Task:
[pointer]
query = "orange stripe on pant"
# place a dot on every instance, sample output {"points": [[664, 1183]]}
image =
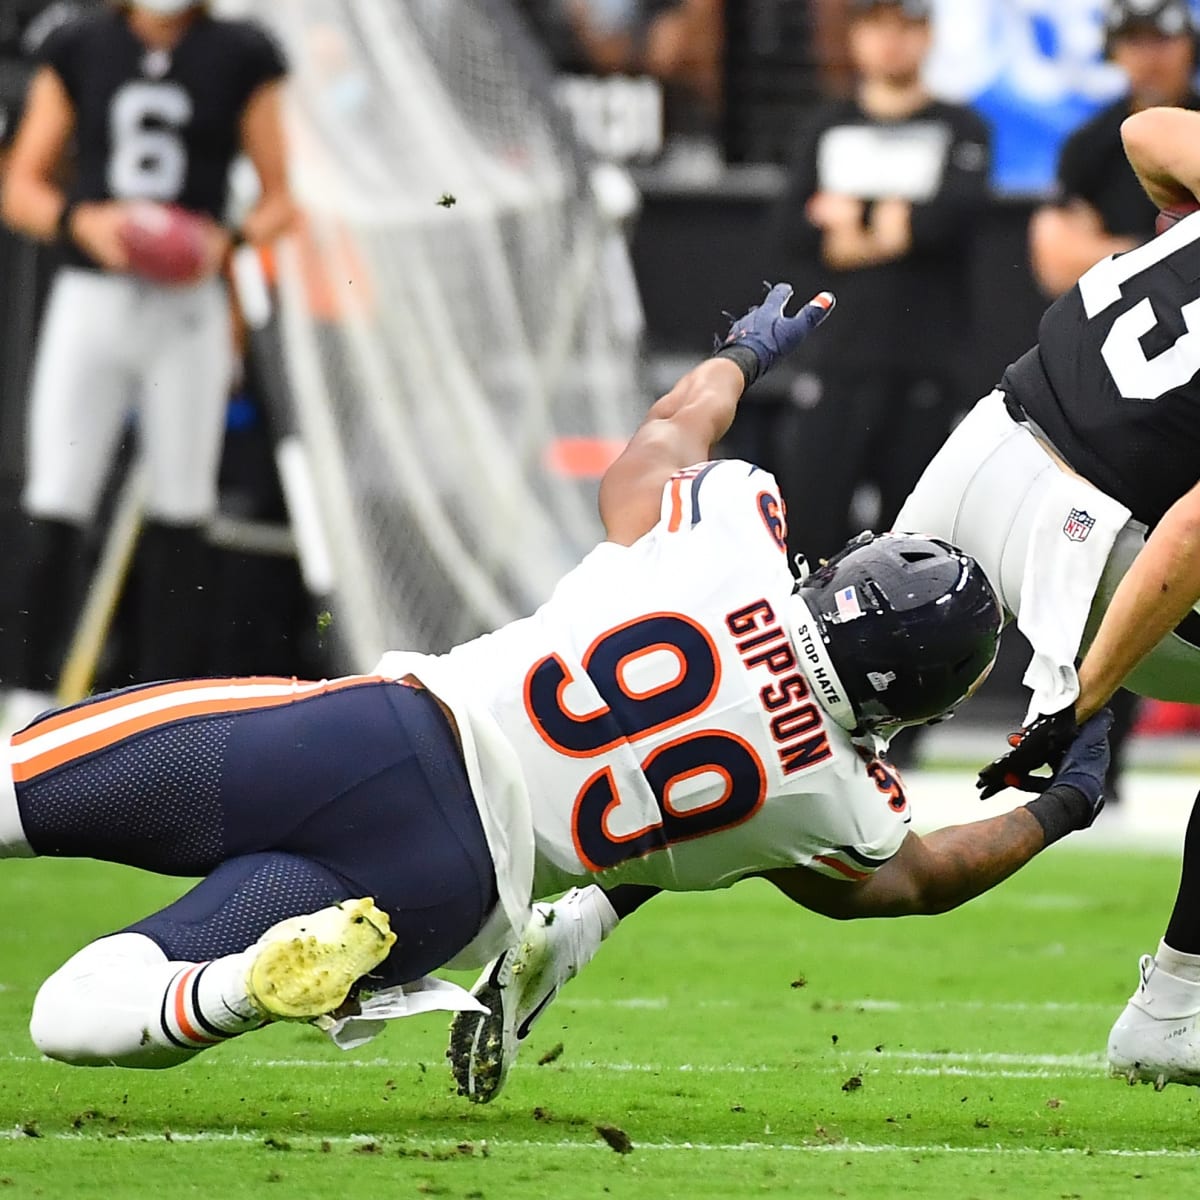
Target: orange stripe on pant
{"points": [[120, 723]]}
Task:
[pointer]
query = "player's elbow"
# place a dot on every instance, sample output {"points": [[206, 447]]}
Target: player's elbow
{"points": [[10, 207], [1143, 134], [18, 206], [1160, 144]]}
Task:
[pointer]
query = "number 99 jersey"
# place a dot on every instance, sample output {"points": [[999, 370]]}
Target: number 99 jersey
{"points": [[1113, 382], [665, 728]]}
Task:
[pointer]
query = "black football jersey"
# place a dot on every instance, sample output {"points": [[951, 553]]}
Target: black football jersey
{"points": [[157, 125], [1114, 381]]}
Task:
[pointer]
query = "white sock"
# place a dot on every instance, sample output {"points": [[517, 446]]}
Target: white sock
{"points": [[1175, 962], [584, 917], [120, 1001]]}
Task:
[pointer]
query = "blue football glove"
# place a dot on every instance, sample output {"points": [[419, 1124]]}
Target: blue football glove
{"points": [[758, 340], [1075, 795], [1042, 743], [1085, 765]]}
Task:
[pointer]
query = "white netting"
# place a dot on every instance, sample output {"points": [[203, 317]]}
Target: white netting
{"points": [[438, 354]]}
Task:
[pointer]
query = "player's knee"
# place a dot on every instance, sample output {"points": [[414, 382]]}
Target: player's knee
{"points": [[98, 1008], [55, 1025]]}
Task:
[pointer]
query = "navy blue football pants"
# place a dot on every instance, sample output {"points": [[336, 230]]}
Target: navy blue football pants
{"points": [[285, 796]]}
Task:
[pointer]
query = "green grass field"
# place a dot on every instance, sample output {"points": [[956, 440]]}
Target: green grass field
{"points": [[743, 1047]]}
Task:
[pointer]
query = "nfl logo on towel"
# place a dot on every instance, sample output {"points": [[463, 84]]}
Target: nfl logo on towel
{"points": [[1078, 525]]}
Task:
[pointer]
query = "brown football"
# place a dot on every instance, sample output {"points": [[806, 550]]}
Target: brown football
{"points": [[1174, 214], [165, 243]]}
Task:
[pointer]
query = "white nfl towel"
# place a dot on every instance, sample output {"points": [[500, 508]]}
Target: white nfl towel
{"points": [[429, 994], [1070, 540]]}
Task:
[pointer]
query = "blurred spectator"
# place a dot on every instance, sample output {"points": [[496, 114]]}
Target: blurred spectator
{"points": [[144, 102], [678, 43], [1101, 208], [884, 194], [830, 23]]}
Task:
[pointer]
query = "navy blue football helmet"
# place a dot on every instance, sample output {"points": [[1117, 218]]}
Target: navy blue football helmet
{"points": [[896, 629]]}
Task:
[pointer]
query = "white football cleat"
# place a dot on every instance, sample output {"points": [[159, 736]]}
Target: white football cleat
{"points": [[517, 987], [304, 967], [1157, 1039]]}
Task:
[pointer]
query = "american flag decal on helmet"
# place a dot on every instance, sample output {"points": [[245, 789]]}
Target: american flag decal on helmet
{"points": [[1078, 525]]}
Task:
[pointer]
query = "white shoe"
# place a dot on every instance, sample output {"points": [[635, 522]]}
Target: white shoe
{"points": [[304, 967], [517, 987], [1157, 1039]]}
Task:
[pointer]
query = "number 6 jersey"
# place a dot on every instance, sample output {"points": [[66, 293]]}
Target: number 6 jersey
{"points": [[662, 723], [158, 125]]}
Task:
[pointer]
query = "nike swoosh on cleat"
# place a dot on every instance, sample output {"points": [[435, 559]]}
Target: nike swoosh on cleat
{"points": [[527, 1024]]}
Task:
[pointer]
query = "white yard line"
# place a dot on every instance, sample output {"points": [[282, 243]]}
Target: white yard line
{"points": [[938, 1063], [492, 1144], [833, 1004]]}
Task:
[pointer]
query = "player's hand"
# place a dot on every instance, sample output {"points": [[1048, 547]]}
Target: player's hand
{"points": [[96, 230], [771, 335], [218, 247], [831, 210], [1041, 743], [1085, 764], [891, 227]]}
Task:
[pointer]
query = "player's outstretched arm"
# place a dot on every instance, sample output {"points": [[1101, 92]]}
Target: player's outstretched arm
{"points": [[1163, 147], [936, 873], [682, 427]]}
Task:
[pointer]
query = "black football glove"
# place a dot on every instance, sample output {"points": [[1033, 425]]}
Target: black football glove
{"points": [[1042, 743], [764, 335]]}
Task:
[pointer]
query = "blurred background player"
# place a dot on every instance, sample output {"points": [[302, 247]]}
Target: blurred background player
{"points": [[134, 103], [1101, 208]]}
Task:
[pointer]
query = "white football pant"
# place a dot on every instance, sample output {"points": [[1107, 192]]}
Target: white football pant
{"points": [[983, 491], [112, 345]]}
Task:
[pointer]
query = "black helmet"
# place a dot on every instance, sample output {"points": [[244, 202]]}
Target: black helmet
{"points": [[895, 629], [1168, 18]]}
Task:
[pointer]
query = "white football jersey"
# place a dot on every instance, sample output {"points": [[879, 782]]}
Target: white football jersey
{"points": [[665, 730]]}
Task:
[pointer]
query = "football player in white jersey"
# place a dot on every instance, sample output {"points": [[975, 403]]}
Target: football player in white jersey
{"points": [[1075, 487], [681, 714], [804, 678]]}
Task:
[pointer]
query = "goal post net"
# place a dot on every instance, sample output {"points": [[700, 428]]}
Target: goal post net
{"points": [[458, 324]]}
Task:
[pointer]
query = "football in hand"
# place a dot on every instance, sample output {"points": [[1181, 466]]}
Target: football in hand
{"points": [[166, 244], [1171, 216]]}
